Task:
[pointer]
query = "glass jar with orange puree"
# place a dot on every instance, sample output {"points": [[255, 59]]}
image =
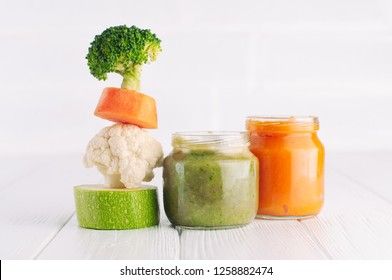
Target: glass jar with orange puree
{"points": [[291, 165]]}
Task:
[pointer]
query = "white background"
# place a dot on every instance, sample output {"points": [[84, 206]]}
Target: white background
{"points": [[221, 61]]}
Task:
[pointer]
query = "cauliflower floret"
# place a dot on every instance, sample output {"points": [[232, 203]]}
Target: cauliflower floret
{"points": [[125, 154]]}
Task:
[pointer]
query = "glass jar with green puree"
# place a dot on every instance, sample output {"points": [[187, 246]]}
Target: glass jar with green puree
{"points": [[210, 180]]}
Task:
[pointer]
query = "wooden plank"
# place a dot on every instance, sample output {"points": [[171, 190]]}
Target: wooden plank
{"points": [[13, 168], [354, 224], [259, 240], [36, 211], [34, 208], [73, 242], [370, 169]]}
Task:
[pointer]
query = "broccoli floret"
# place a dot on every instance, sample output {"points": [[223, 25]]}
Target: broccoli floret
{"points": [[123, 50]]}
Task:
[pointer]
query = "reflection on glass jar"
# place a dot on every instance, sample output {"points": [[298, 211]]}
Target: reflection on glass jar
{"points": [[291, 159], [210, 180]]}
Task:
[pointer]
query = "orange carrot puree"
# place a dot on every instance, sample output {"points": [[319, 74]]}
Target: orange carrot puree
{"points": [[291, 164]]}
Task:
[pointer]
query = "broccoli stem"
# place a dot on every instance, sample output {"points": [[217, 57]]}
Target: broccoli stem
{"points": [[131, 77]]}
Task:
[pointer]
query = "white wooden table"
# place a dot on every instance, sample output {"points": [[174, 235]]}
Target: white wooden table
{"points": [[37, 219]]}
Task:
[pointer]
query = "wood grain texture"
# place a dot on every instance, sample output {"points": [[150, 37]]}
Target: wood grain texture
{"points": [[37, 218], [258, 240], [354, 224], [372, 170], [14, 168], [36, 206], [73, 242]]}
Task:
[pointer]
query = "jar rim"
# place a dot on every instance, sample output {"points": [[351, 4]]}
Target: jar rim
{"points": [[209, 133], [282, 124], [285, 118], [210, 139]]}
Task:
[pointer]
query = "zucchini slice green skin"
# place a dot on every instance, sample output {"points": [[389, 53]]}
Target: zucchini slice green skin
{"points": [[100, 207]]}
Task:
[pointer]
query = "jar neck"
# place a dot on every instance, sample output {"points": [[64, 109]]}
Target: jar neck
{"points": [[282, 124], [210, 140]]}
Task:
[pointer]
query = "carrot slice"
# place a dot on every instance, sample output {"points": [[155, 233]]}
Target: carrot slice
{"points": [[127, 106]]}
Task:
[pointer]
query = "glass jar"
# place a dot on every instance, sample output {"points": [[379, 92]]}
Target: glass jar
{"points": [[291, 159], [210, 180]]}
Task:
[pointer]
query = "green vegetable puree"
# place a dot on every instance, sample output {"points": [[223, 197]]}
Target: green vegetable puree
{"points": [[204, 188]]}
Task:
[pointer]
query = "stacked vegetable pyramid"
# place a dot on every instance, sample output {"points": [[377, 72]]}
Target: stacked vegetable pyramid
{"points": [[124, 152]]}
